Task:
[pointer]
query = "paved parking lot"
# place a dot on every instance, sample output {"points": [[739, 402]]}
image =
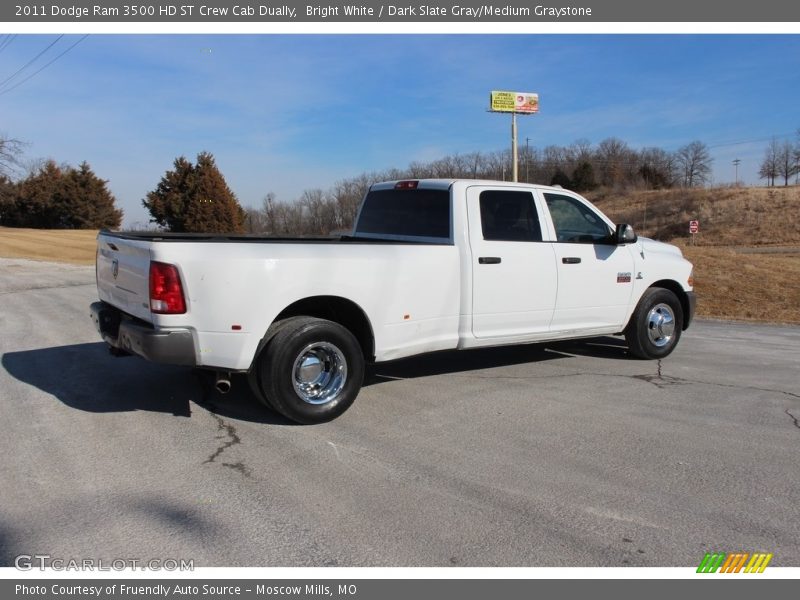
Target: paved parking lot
{"points": [[569, 454]]}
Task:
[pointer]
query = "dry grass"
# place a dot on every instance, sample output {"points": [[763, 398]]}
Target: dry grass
{"points": [[60, 245], [731, 282], [728, 216], [734, 284]]}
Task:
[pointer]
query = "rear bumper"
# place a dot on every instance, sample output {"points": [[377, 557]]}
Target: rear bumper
{"points": [[168, 346], [691, 299]]}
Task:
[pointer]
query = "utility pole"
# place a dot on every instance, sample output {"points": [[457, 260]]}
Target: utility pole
{"points": [[736, 166], [514, 153], [527, 159]]}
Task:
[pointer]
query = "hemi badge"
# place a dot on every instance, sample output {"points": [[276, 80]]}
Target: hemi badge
{"points": [[623, 277]]}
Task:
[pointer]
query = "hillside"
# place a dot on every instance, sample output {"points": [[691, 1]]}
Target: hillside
{"points": [[747, 254], [728, 216]]}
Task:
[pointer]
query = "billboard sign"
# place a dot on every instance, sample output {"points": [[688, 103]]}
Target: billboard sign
{"points": [[524, 103]]}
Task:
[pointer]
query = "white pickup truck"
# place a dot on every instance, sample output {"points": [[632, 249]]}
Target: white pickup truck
{"points": [[430, 265]]}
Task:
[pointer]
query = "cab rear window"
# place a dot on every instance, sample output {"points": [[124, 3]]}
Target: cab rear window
{"points": [[410, 213]]}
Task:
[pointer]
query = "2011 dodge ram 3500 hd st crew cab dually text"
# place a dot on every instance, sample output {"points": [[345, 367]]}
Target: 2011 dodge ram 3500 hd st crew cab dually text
{"points": [[430, 265]]}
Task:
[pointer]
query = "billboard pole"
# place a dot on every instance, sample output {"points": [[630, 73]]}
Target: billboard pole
{"points": [[523, 103], [514, 156]]}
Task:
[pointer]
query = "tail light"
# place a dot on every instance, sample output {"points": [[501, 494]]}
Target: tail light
{"points": [[166, 291], [406, 185]]}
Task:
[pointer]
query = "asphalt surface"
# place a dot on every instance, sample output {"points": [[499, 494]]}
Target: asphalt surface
{"points": [[567, 454]]}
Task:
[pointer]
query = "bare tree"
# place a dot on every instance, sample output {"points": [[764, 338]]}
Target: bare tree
{"points": [[694, 162], [797, 158], [616, 162], [657, 168], [319, 212], [769, 166], [348, 194], [10, 153], [786, 163]]}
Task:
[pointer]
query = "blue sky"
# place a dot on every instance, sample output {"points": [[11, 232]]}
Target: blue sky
{"points": [[285, 113]]}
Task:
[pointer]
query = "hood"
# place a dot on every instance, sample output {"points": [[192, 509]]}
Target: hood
{"points": [[649, 245]]}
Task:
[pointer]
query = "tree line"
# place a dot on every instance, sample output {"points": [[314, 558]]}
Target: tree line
{"points": [[581, 166], [194, 196], [781, 161], [56, 196]]}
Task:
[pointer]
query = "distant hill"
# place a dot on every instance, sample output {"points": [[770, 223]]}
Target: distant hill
{"points": [[728, 216]]}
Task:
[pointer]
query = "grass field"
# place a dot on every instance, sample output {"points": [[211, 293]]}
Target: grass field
{"points": [[74, 246], [746, 258]]}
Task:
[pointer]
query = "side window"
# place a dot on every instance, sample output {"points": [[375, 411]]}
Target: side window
{"points": [[574, 221], [509, 216]]}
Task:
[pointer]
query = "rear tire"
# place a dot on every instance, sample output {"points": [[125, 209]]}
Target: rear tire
{"points": [[253, 378], [310, 371], [656, 324]]}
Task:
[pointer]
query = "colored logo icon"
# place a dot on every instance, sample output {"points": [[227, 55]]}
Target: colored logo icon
{"points": [[735, 562]]}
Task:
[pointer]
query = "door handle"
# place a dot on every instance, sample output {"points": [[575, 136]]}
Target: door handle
{"points": [[489, 260], [570, 260]]}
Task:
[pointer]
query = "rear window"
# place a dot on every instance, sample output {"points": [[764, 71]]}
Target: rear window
{"points": [[417, 213]]}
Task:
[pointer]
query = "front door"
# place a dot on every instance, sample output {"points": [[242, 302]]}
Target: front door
{"points": [[595, 276]]}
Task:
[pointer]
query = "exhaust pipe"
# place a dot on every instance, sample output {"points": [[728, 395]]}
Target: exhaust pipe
{"points": [[222, 383]]}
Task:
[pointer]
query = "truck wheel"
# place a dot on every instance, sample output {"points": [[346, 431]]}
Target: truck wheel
{"points": [[656, 324], [253, 378], [311, 371], [255, 387]]}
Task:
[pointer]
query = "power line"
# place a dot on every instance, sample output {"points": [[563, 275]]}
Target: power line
{"points": [[750, 141], [30, 62], [7, 42], [19, 83]]}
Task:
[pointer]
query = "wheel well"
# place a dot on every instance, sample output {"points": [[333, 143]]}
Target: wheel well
{"points": [[675, 288], [339, 310]]}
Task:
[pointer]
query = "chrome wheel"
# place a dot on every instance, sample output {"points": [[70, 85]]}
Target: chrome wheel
{"points": [[660, 325], [319, 373]]}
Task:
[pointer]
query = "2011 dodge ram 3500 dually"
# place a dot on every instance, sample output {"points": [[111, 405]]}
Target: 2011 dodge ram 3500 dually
{"points": [[430, 265]]}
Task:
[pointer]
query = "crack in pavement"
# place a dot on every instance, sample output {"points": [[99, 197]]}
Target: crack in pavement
{"points": [[240, 467], [659, 380], [232, 436], [793, 418], [233, 439]]}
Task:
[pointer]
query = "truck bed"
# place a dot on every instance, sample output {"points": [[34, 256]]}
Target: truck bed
{"points": [[150, 236]]}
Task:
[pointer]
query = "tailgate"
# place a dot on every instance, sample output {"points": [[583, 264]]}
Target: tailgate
{"points": [[123, 274]]}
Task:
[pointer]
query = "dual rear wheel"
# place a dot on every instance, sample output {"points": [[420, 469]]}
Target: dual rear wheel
{"points": [[310, 371]]}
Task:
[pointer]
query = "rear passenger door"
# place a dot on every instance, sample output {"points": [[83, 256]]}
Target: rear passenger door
{"points": [[595, 276], [514, 277]]}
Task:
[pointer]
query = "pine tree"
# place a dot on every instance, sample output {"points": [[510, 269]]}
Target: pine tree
{"points": [[89, 203], [561, 178], [61, 197], [38, 198], [583, 177], [6, 198], [195, 198]]}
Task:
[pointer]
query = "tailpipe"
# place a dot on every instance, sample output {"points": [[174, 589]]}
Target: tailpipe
{"points": [[222, 383]]}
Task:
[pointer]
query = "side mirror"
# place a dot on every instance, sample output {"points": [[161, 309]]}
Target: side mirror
{"points": [[624, 234]]}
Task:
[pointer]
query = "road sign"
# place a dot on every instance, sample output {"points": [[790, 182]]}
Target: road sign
{"points": [[694, 226]]}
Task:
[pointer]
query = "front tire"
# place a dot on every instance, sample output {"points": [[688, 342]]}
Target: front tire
{"points": [[656, 324], [311, 370]]}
